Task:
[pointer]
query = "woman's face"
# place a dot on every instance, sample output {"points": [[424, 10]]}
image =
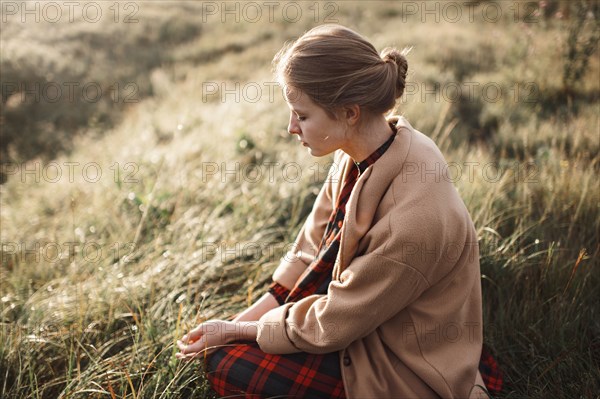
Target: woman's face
{"points": [[312, 125]]}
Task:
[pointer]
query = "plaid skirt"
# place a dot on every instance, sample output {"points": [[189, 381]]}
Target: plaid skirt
{"points": [[245, 371]]}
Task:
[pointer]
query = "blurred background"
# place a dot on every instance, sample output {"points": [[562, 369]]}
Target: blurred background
{"points": [[148, 181]]}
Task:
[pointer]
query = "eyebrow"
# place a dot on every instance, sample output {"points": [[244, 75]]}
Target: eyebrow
{"points": [[300, 111]]}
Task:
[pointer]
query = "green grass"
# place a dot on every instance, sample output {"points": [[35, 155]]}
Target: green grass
{"points": [[157, 243]]}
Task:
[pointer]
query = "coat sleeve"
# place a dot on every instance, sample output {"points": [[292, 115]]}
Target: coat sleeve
{"points": [[373, 288], [304, 248]]}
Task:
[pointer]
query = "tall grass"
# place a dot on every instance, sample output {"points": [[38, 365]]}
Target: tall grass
{"points": [[126, 263]]}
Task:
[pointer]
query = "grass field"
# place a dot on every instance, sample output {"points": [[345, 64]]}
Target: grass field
{"points": [[129, 216]]}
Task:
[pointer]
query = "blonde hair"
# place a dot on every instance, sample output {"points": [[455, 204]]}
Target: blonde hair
{"points": [[337, 67]]}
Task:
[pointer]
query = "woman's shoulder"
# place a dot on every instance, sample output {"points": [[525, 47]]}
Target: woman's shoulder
{"points": [[425, 181], [422, 147]]}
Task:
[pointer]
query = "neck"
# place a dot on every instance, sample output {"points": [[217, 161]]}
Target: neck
{"points": [[364, 141]]}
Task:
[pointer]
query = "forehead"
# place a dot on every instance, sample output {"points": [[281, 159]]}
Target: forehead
{"points": [[297, 98]]}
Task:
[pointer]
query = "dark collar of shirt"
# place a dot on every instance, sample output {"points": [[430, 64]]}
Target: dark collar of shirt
{"points": [[370, 160]]}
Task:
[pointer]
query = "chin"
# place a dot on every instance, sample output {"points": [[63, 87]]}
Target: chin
{"points": [[318, 153]]}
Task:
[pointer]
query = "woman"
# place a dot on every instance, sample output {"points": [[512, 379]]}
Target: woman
{"points": [[381, 296]]}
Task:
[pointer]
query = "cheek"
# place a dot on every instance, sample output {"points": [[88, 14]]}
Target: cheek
{"points": [[305, 127], [314, 125]]}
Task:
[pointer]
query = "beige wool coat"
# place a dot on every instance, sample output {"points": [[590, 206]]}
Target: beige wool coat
{"points": [[404, 305]]}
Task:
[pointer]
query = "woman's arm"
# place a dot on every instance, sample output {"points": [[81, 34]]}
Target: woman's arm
{"points": [[257, 309]]}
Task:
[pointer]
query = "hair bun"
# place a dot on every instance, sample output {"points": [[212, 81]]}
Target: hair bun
{"points": [[393, 55]]}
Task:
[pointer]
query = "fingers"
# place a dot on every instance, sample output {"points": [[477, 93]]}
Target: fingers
{"points": [[188, 356], [187, 352], [208, 327], [192, 336], [198, 349], [191, 347], [191, 356], [197, 341]]}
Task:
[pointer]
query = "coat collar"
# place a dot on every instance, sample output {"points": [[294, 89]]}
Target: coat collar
{"points": [[368, 191]]}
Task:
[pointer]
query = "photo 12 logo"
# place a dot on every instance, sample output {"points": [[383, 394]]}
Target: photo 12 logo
{"points": [[468, 11], [69, 11], [470, 92], [271, 11], [69, 251], [72, 92], [70, 171]]}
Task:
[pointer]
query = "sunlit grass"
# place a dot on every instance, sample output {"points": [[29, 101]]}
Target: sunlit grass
{"points": [[163, 240]]}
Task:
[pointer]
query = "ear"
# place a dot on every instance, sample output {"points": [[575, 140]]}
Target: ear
{"points": [[352, 114]]}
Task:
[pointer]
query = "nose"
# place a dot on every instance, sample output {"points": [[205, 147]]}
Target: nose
{"points": [[293, 126]]}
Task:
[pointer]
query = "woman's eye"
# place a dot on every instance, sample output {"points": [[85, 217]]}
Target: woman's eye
{"points": [[301, 118]]}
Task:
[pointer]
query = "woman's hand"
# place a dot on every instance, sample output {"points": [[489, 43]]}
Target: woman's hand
{"points": [[208, 336], [201, 339]]}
